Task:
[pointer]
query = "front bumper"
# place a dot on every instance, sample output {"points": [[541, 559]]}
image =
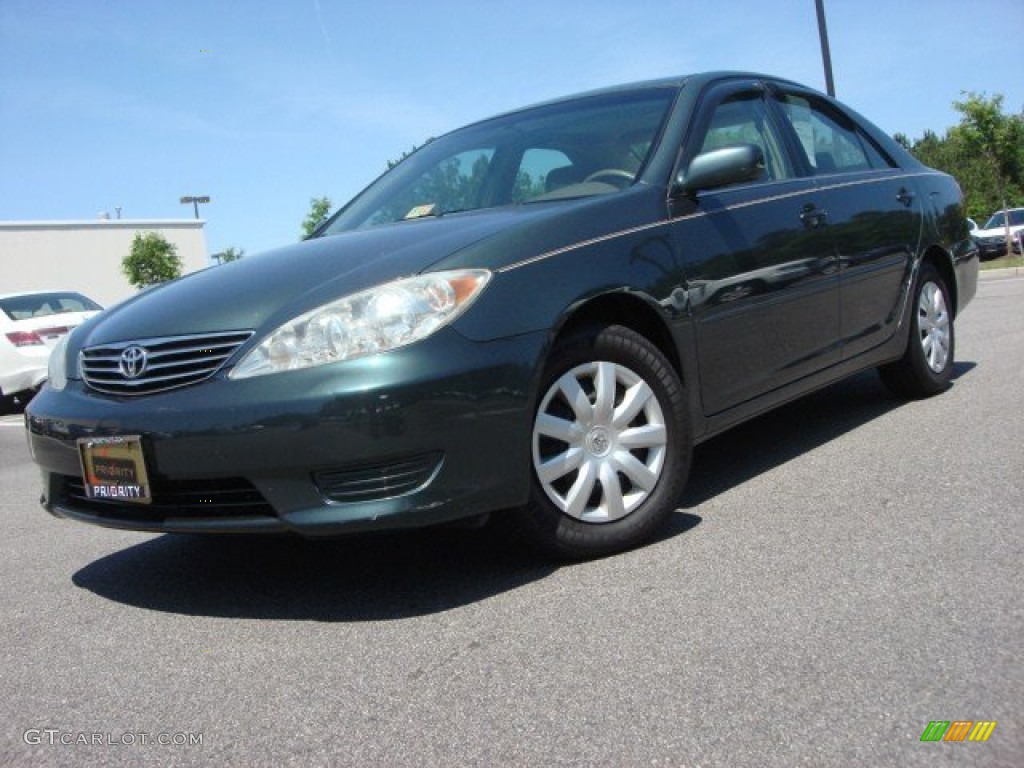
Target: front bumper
{"points": [[432, 432], [990, 249]]}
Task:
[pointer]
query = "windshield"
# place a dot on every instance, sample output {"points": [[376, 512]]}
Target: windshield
{"points": [[998, 220], [589, 146]]}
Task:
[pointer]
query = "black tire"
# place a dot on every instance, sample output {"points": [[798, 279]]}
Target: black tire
{"points": [[926, 367], [636, 435]]}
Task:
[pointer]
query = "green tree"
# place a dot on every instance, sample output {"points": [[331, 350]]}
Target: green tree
{"points": [[985, 152], [319, 207], [152, 260], [229, 254], [998, 140]]}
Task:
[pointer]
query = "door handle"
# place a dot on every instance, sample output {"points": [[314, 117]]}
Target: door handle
{"points": [[812, 216], [905, 196]]}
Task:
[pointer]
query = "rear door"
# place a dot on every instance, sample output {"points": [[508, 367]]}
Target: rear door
{"points": [[874, 216]]}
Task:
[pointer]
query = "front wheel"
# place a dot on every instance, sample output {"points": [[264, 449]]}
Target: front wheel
{"points": [[926, 367], [610, 445]]}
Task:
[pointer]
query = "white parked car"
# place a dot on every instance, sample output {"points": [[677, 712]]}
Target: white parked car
{"points": [[991, 238], [31, 324]]}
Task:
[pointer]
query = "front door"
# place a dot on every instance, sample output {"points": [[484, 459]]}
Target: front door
{"points": [[761, 270]]}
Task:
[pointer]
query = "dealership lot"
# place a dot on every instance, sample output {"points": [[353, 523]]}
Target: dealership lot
{"points": [[840, 573]]}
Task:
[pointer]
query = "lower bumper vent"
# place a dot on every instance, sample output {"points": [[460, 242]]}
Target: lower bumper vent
{"points": [[176, 499], [383, 480]]}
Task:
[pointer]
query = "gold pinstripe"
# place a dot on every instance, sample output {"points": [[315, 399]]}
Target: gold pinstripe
{"points": [[699, 214]]}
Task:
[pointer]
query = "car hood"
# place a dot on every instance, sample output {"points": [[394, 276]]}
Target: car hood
{"points": [[263, 291]]}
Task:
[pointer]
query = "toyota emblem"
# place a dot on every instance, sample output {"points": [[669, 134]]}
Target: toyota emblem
{"points": [[133, 362]]}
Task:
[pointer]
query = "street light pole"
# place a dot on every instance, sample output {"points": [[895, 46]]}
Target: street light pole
{"points": [[826, 56], [195, 202]]}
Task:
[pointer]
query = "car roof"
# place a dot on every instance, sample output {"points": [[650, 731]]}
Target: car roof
{"points": [[697, 81], [677, 81]]}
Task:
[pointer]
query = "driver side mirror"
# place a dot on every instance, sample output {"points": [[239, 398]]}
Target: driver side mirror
{"points": [[721, 167]]}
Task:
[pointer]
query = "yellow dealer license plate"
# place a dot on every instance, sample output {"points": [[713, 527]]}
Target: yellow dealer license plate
{"points": [[114, 469]]}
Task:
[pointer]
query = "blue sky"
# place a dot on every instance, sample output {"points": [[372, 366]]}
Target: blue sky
{"points": [[263, 105]]}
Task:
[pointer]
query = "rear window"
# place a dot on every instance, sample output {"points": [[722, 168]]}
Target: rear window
{"points": [[45, 304]]}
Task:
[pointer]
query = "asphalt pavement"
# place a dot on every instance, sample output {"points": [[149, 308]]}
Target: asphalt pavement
{"points": [[841, 573]]}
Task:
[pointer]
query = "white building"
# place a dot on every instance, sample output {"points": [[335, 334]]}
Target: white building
{"points": [[86, 256]]}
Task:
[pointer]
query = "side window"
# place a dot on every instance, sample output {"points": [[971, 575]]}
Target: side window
{"points": [[744, 120], [830, 145]]}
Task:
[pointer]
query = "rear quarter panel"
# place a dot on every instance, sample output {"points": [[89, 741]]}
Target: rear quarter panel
{"points": [[946, 229]]}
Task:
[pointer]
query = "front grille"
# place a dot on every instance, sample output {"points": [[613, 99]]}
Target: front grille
{"points": [[385, 480], [200, 498], [156, 365]]}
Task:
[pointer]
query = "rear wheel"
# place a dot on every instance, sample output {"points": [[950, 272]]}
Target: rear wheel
{"points": [[610, 445], [927, 365]]}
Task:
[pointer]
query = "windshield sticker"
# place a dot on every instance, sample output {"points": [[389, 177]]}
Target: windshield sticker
{"points": [[420, 211]]}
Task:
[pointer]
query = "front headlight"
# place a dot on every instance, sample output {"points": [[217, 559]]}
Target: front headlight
{"points": [[376, 320], [57, 367]]}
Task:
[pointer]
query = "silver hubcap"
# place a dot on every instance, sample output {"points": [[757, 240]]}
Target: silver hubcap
{"points": [[933, 324], [599, 442]]}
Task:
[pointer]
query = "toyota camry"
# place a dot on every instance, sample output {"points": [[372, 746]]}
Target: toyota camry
{"points": [[533, 318]]}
